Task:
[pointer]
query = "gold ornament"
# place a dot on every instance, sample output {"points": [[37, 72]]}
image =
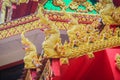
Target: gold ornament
{"points": [[31, 59], [59, 3]]}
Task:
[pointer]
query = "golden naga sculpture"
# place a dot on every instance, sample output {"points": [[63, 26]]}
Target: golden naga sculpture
{"points": [[52, 35], [31, 59], [83, 39], [118, 61], [50, 42]]}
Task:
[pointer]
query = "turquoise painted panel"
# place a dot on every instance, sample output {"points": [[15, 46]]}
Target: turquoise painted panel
{"points": [[49, 6]]}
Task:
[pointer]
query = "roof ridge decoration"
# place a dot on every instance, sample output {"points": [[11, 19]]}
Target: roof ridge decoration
{"points": [[82, 6], [83, 39], [92, 35], [15, 27], [24, 24]]}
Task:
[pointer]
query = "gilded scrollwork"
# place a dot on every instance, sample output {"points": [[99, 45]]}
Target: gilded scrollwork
{"points": [[84, 39], [74, 5]]}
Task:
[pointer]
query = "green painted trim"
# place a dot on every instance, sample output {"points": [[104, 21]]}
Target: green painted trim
{"points": [[50, 6]]}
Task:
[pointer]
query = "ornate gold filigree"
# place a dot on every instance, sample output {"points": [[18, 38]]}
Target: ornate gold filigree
{"points": [[116, 15], [59, 3], [83, 39], [88, 6], [36, 20], [74, 5]]}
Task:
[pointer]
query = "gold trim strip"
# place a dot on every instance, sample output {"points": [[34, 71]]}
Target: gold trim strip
{"points": [[32, 22]]}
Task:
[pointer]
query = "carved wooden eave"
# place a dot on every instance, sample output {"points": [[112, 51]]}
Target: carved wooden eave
{"points": [[32, 22], [17, 26]]}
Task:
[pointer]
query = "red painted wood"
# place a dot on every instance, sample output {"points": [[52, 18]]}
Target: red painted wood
{"points": [[11, 64]]}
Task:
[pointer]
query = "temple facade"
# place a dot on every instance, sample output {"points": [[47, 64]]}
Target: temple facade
{"points": [[61, 39]]}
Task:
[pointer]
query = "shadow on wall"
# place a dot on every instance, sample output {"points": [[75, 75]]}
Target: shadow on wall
{"points": [[12, 73]]}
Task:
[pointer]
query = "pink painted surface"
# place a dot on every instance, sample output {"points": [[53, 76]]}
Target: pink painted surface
{"points": [[33, 74]]}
